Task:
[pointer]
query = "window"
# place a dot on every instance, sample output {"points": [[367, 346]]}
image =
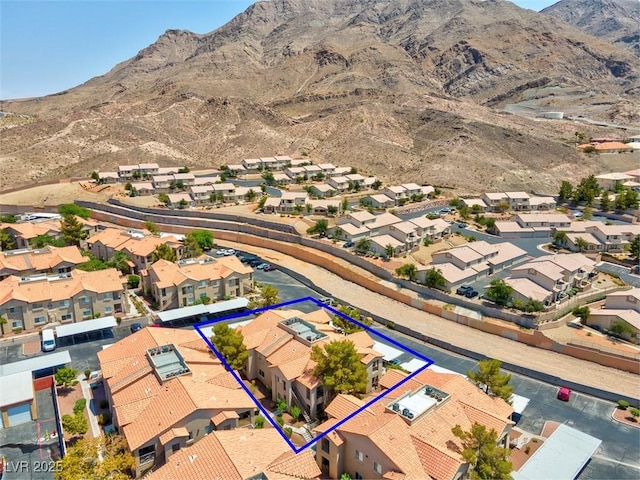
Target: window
{"points": [[147, 454], [376, 364], [86, 313], [40, 319], [64, 303], [175, 447], [308, 394], [377, 467], [84, 300], [261, 373], [164, 292], [107, 309], [213, 283], [203, 295], [13, 309], [359, 456], [358, 476], [107, 296], [325, 445], [190, 435], [37, 306], [202, 284], [65, 317], [16, 324]]}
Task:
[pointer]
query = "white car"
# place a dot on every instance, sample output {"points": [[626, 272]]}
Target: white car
{"points": [[229, 252]]}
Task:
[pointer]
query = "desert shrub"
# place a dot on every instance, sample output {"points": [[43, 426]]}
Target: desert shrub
{"points": [[288, 431], [104, 419], [623, 404], [259, 421], [80, 405], [280, 420]]}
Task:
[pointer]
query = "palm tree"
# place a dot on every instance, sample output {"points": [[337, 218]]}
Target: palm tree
{"points": [[581, 244], [389, 250], [3, 322]]}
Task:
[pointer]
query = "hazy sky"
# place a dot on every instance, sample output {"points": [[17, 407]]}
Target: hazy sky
{"points": [[49, 46]]}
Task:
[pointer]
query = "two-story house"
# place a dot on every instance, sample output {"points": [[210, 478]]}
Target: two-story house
{"points": [[341, 184], [279, 344], [174, 285], [620, 307], [167, 391], [29, 302], [407, 434]]}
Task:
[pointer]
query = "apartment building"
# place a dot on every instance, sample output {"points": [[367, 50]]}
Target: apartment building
{"points": [[33, 301], [517, 201], [548, 279], [279, 344], [138, 246], [174, 285], [50, 260], [340, 183], [533, 225], [288, 202], [433, 230], [407, 434], [252, 164], [472, 262], [167, 391], [405, 232], [22, 234], [239, 455], [623, 306], [143, 170]]}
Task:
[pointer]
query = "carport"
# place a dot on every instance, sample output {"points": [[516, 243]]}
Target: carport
{"points": [[413, 365], [71, 330], [562, 456], [40, 366], [203, 312], [388, 351]]}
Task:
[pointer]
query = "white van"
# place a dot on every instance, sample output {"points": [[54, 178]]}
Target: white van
{"points": [[48, 340]]}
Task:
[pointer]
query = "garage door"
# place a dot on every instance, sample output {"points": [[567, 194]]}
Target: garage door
{"points": [[20, 414]]}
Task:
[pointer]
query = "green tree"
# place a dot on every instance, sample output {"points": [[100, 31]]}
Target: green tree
{"points": [[297, 209], [43, 240], [490, 378], [128, 186], [363, 245], [133, 281], [3, 322], [620, 204], [389, 250], [605, 201], [533, 306], [204, 238], [502, 207], [587, 190], [152, 227], [353, 171], [163, 252], [120, 261], [490, 224], [582, 313], [635, 413], [433, 279], [73, 209], [499, 291], [65, 376], [184, 169], [408, 270], [269, 178], [102, 458], [345, 204], [339, 368], [319, 228], [631, 199], [464, 212], [566, 191], [332, 209], [486, 459], [295, 412], [229, 342], [251, 195], [348, 326], [560, 238], [580, 136], [621, 329], [581, 244], [309, 208], [634, 247], [164, 199], [5, 240], [183, 203], [262, 201], [587, 213], [191, 246], [268, 296], [93, 264], [95, 176], [75, 424], [376, 184], [72, 230]]}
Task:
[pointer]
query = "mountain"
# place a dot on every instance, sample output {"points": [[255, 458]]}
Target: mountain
{"points": [[617, 21], [414, 90]]}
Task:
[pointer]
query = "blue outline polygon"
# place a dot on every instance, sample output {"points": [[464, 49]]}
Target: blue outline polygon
{"points": [[317, 302]]}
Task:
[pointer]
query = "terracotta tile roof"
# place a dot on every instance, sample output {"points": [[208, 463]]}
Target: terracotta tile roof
{"points": [[394, 476], [302, 465], [223, 379], [361, 339], [294, 368], [308, 380], [438, 464], [222, 416], [210, 396], [42, 259], [342, 405], [128, 412], [319, 316], [172, 433], [28, 230], [51, 290]]}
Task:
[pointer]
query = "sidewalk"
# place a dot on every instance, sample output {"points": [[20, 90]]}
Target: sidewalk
{"points": [[492, 346]]}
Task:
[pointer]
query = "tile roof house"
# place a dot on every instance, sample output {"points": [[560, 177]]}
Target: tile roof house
{"points": [[239, 455], [174, 285], [472, 262], [622, 306], [279, 345], [600, 237], [549, 278], [434, 230], [140, 247], [49, 259], [23, 233], [608, 181], [407, 433], [380, 200], [167, 391], [33, 301], [528, 225], [608, 147], [322, 190]]}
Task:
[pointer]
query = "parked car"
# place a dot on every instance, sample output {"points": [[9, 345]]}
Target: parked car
{"points": [[564, 394], [348, 244], [262, 266], [135, 327], [327, 301], [444, 211], [635, 269], [220, 253], [463, 289], [577, 214], [254, 262], [463, 225], [471, 293], [269, 268], [229, 252]]}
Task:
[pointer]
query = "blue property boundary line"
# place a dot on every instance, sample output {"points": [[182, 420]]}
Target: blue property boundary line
{"points": [[263, 410]]}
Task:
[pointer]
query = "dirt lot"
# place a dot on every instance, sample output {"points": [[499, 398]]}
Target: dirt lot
{"points": [[57, 194]]}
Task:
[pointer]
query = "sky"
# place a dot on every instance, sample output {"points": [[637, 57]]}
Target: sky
{"points": [[47, 46]]}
